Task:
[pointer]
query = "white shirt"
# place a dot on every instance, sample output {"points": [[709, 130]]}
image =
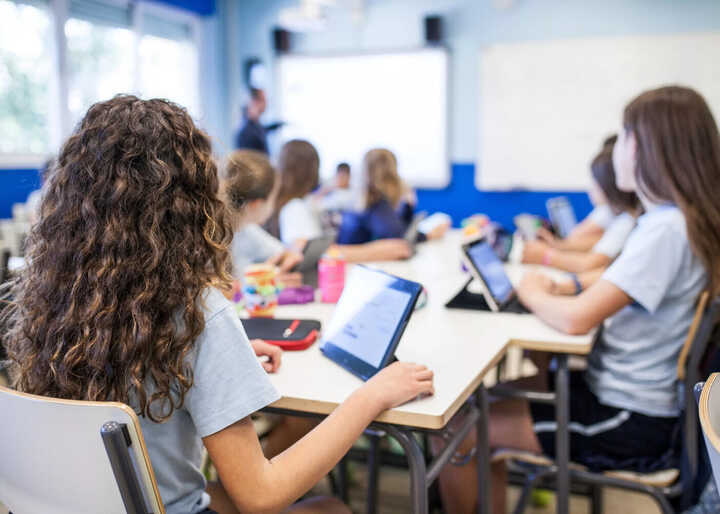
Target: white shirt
{"points": [[602, 215], [615, 236], [298, 220]]}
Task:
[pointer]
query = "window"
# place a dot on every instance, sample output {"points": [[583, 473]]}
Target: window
{"points": [[26, 71], [100, 64], [47, 82], [168, 62]]}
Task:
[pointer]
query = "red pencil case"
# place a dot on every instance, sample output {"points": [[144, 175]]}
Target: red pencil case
{"points": [[282, 333]]}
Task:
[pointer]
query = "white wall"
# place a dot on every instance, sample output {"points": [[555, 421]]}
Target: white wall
{"points": [[469, 24]]}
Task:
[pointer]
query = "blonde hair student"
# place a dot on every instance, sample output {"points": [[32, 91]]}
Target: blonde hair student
{"points": [[669, 152], [120, 301]]}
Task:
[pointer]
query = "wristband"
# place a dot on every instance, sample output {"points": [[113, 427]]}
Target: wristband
{"points": [[576, 281], [546, 258]]}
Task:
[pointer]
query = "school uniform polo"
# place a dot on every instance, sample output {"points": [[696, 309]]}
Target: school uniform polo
{"points": [[229, 385], [252, 244], [616, 234], [602, 215]]}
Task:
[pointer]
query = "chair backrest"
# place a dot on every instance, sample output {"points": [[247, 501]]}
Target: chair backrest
{"points": [[709, 413], [692, 353], [53, 458]]}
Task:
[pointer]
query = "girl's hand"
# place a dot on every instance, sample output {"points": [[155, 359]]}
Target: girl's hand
{"points": [[272, 352], [287, 260], [399, 383], [533, 283], [545, 236], [534, 251]]}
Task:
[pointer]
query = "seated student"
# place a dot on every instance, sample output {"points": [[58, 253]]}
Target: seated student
{"points": [[589, 231], [296, 220], [120, 302], [388, 204], [338, 196], [249, 190], [624, 408], [625, 206]]}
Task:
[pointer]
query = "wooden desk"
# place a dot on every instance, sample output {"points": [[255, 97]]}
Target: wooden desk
{"points": [[460, 346]]}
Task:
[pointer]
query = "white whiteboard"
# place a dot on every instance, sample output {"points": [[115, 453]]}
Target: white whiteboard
{"points": [[346, 105], [546, 106]]}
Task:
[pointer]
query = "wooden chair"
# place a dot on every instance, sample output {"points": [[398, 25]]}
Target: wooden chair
{"points": [[662, 485], [709, 413], [73, 457]]}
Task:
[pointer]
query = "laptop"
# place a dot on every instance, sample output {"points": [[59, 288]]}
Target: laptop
{"points": [[487, 269], [562, 215], [369, 320], [313, 251]]}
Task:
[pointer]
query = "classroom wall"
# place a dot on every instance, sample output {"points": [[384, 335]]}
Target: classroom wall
{"points": [[469, 25]]}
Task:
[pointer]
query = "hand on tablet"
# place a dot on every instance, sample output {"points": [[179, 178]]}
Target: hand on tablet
{"points": [[272, 352], [286, 260], [399, 383]]}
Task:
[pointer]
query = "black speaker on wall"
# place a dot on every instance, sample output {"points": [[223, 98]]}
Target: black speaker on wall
{"points": [[281, 40], [433, 30]]}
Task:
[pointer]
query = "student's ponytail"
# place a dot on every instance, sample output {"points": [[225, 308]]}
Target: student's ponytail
{"points": [[678, 161]]}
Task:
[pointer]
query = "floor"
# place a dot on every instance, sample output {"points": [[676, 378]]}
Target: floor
{"points": [[395, 487]]}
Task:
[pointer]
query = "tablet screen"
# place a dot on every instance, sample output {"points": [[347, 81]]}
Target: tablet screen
{"points": [[368, 315], [562, 215], [490, 268]]}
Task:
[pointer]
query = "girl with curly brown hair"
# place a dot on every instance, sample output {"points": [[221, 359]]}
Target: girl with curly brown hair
{"points": [[119, 302]]}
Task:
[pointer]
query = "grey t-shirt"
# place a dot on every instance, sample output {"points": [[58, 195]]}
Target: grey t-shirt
{"points": [[229, 385], [634, 364], [252, 244]]}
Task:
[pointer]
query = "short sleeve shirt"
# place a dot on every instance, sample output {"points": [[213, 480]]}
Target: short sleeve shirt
{"points": [[615, 236], [298, 220], [634, 363], [252, 244], [229, 385], [602, 215]]}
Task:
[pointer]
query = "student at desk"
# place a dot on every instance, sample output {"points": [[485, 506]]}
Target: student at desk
{"points": [[590, 264], [589, 231], [388, 204], [296, 219], [624, 408], [120, 301], [249, 189]]}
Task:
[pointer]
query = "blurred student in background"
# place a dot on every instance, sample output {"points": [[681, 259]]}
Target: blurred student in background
{"points": [[249, 188], [589, 231], [389, 204], [625, 208], [253, 134], [296, 219]]}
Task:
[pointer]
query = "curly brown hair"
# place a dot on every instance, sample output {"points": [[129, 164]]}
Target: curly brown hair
{"points": [[131, 232]]}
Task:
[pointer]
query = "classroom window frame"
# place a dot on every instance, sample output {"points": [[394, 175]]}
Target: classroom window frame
{"points": [[58, 117]]}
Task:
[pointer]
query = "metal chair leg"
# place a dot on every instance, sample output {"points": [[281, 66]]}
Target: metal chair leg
{"points": [[596, 498]]}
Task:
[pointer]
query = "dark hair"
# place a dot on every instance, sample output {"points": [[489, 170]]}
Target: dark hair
{"points": [[678, 161], [131, 232], [343, 167], [255, 93], [299, 168], [299, 172], [248, 176], [610, 141], [604, 174]]}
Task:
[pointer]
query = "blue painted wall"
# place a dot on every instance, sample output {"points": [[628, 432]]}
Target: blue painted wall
{"points": [[15, 186], [461, 199], [203, 7]]}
